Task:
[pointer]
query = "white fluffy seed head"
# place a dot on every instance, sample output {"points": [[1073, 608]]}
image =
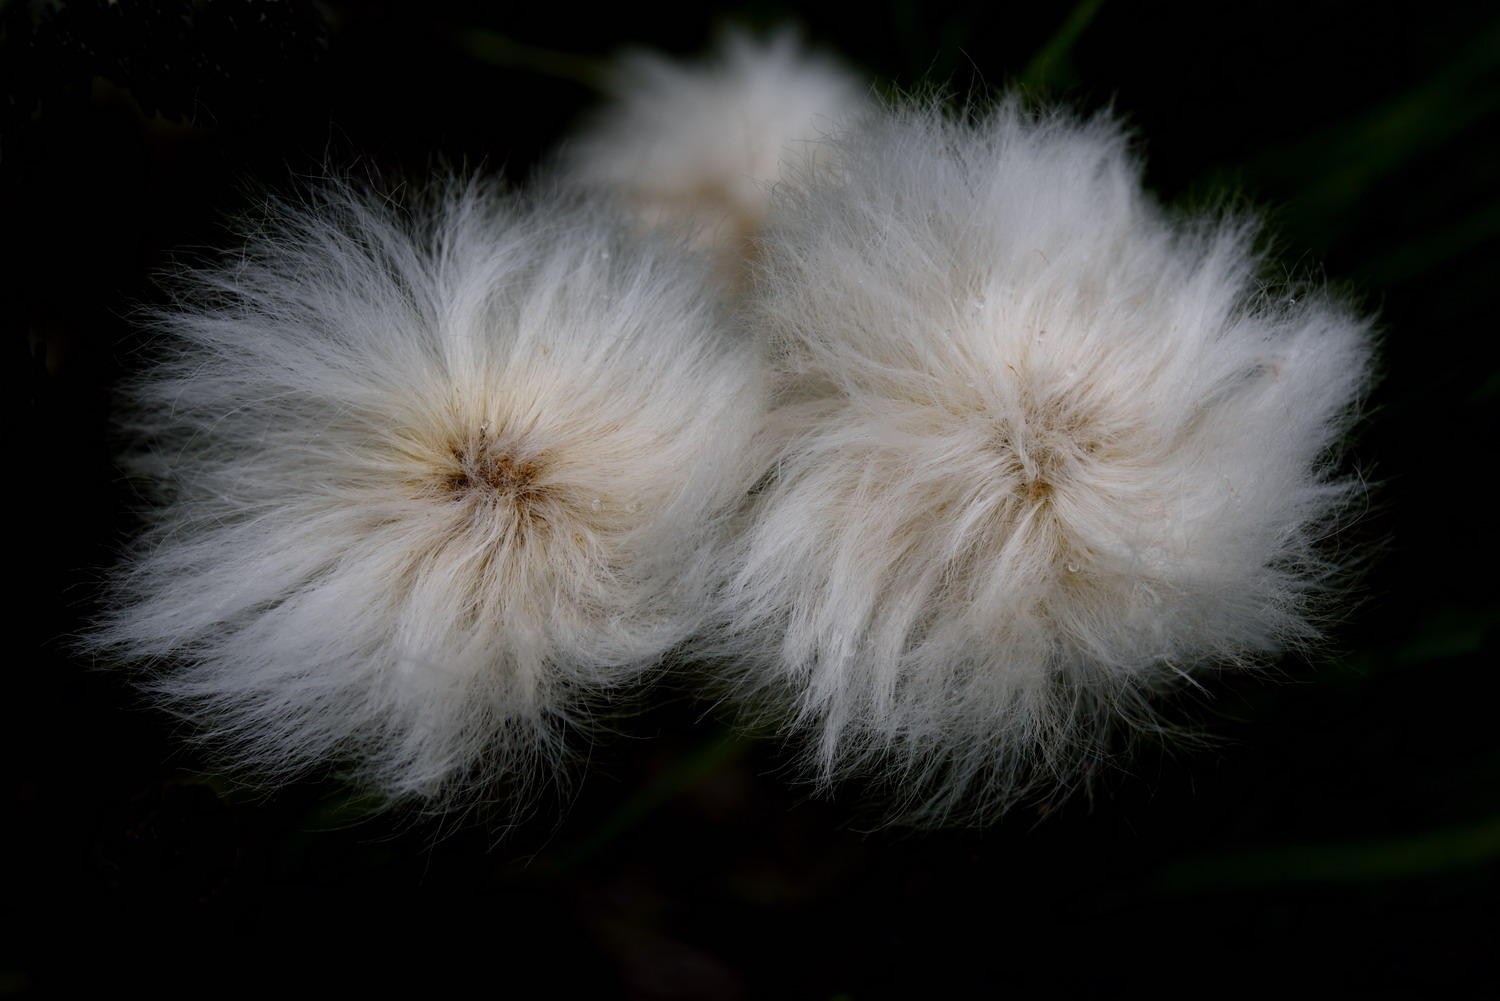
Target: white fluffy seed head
{"points": [[698, 146], [1041, 450], [433, 480]]}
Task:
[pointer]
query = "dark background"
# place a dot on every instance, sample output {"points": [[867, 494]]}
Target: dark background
{"points": [[1341, 832]]}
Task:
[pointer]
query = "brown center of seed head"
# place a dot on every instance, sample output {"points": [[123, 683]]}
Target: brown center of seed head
{"points": [[482, 467], [1049, 447]]}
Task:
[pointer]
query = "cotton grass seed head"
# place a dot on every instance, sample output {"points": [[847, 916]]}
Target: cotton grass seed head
{"points": [[432, 482], [1042, 449], [698, 146]]}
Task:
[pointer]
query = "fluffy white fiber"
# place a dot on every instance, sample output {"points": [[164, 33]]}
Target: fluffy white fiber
{"points": [[433, 480], [1043, 449], [698, 146]]}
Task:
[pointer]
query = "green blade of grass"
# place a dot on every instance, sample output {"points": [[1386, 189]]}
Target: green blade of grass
{"points": [[1049, 67], [1425, 854]]}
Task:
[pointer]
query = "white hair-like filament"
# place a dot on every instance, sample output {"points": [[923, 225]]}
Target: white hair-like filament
{"points": [[697, 147], [1041, 450], [431, 483]]}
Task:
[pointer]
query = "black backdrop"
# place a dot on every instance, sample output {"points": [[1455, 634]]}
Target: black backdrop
{"points": [[1342, 832]]}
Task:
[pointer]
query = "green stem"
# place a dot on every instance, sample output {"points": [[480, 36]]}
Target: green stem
{"points": [[494, 48], [1354, 862], [1044, 66]]}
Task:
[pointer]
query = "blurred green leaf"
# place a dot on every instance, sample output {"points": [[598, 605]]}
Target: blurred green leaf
{"points": [[494, 48], [1334, 169], [1051, 67], [1416, 257], [1349, 862], [1490, 390], [685, 773], [1451, 633], [342, 810]]}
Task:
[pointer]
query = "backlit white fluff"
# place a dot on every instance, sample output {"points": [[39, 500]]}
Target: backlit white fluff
{"points": [[433, 480], [698, 146], [1043, 449]]}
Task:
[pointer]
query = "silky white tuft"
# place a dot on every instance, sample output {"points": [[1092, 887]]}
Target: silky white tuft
{"points": [[1042, 449], [698, 146], [433, 480]]}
